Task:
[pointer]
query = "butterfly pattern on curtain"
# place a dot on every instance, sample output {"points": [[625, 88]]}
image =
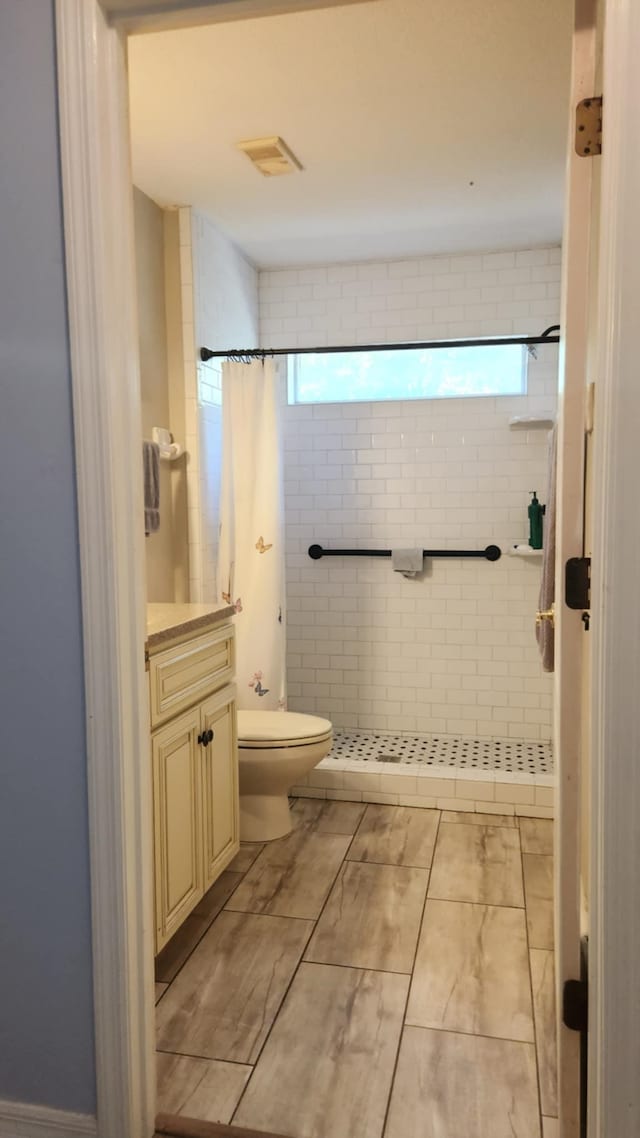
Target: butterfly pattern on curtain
{"points": [[251, 552]]}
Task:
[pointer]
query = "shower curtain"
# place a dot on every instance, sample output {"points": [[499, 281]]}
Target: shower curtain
{"points": [[251, 553]]}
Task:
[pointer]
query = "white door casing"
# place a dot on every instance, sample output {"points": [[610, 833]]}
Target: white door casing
{"points": [[614, 943], [569, 629], [100, 265]]}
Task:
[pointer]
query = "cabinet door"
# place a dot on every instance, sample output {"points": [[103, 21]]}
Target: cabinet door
{"points": [[220, 783], [177, 795]]}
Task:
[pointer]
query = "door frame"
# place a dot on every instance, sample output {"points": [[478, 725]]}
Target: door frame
{"points": [[571, 648], [99, 249], [614, 942]]}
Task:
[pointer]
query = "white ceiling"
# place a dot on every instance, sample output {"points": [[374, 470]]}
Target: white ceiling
{"points": [[424, 126]]}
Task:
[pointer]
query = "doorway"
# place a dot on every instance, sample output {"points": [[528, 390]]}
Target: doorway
{"points": [[434, 688]]}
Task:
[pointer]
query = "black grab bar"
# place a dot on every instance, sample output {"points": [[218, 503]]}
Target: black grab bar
{"points": [[491, 553]]}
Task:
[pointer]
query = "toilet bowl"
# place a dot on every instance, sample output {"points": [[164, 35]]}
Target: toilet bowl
{"points": [[276, 749]]}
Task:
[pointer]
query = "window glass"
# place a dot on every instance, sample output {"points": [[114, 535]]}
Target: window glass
{"points": [[420, 373]]}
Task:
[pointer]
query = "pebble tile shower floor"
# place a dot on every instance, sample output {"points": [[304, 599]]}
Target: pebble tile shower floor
{"points": [[510, 756]]}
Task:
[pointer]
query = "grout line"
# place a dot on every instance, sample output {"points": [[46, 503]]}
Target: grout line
{"points": [[203, 1058], [276, 916], [533, 1012], [333, 833], [390, 864], [408, 996], [253, 862], [289, 986], [467, 901], [386, 864], [314, 922], [201, 937], [167, 984], [357, 829], [354, 967], [473, 1035], [477, 904], [481, 825]]}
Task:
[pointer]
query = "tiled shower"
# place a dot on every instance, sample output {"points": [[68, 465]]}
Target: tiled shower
{"points": [[419, 676], [415, 675]]}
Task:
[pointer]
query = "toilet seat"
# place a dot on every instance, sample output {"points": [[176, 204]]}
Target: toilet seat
{"points": [[271, 729]]}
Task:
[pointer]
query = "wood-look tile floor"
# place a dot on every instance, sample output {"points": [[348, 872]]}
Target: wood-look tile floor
{"points": [[382, 972]]}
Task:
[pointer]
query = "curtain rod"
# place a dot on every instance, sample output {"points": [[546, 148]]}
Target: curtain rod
{"points": [[549, 336]]}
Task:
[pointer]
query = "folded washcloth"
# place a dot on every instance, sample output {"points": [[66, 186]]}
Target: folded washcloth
{"points": [[151, 471], [407, 561]]}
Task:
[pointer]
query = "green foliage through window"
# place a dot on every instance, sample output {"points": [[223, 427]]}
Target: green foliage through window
{"points": [[420, 373]]}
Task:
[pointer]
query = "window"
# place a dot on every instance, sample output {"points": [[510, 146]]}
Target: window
{"points": [[420, 373]]}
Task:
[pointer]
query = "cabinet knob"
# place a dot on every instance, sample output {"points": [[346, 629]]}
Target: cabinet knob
{"points": [[201, 739], [209, 735]]}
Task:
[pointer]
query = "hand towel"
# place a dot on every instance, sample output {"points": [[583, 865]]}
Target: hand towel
{"points": [[545, 634], [407, 561], [151, 472]]}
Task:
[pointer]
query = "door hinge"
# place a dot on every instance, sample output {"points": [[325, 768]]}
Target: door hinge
{"points": [[577, 583], [588, 140], [575, 1005]]}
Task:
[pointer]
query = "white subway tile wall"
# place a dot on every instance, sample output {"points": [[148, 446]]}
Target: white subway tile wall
{"points": [[226, 316], [454, 650]]}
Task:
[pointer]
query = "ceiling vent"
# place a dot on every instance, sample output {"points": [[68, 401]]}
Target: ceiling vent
{"points": [[271, 156]]}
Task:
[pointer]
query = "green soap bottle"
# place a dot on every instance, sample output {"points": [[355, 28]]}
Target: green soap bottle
{"points": [[535, 512]]}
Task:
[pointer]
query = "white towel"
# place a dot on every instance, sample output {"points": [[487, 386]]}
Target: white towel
{"points": [[407, 561]]}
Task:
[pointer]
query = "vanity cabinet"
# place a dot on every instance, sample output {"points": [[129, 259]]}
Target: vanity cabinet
{"points": [[194, 749], [177, 822], [220, 838]]}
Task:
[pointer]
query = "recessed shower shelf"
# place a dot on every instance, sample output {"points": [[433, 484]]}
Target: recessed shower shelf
{"points": [[524, 551]]}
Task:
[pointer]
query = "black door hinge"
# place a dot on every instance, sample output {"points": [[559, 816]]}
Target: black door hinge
{"points": [[575, 1005], [577, 583], [575, 1016]]}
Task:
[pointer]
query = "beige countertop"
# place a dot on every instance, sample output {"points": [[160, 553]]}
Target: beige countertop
{"points": [[167, 622]]}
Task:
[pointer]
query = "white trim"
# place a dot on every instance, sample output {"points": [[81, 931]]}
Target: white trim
{"points": [[100, 267], [104, 357], [160, 15], [614, 1086], [23, 1120]]}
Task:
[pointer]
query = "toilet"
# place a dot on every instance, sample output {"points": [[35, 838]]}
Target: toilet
{"points": [[276, 750]]}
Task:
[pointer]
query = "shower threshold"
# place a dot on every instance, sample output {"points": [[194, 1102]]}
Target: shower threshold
{"points": [[490, 776]]}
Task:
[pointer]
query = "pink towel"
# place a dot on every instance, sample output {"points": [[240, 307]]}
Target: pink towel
{"points": [[545, 632]]}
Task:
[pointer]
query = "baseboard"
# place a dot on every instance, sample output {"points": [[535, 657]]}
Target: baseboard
{"points": [[177, 1126], [25, 1120]]}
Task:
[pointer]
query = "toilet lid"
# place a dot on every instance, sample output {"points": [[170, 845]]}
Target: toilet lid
{"points": [[281, 728]]}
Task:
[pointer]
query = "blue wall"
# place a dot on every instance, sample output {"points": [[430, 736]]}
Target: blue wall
{"points": [[46, 1016]]}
